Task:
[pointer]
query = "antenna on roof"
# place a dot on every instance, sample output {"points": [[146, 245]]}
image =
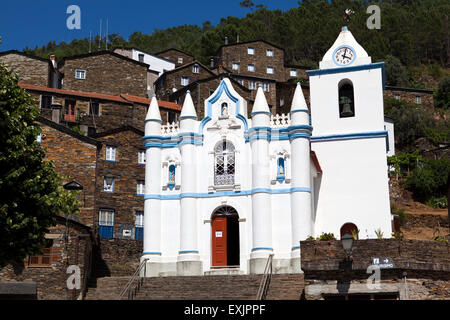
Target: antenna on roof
{"points": [[106, 36], [237, 38], [90, 41], [100, 35]]}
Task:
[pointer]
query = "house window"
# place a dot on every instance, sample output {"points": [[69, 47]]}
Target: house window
{"points": [[418, 99], [251, 67], [240, 81], [184, 81], [269, 52], [266, 86], [397, 96], [140, 189], [110, 153], [269, 70], [195, 68], [108, 183], [235, 65], [106, 223], [293, 73], [281, 101], [252, 85], [346, 99], [139, 226], [141, 157], [251, 50], [180, 60], [171, 117], [39, 138], [46, 102], [80, 74], [94, 108], [141, 57], [224, 167], [46, 259]]}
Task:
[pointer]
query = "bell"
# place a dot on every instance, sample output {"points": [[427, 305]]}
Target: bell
{"points": [[346, 110]]}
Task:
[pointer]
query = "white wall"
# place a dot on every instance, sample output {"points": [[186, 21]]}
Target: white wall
{"points": [[156, 63]]}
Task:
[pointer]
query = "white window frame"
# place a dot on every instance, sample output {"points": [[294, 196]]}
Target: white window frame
{"points": [[184, 81], [269, 52], [252, 85], [110, 153], [251, 67], [266, 86], [251, 50], [180, 59], [293, 73], [141, 157], [418, 100], [195, 68], [235, 66], [140, 187], [270, 70], [106, 187], [397, 96], [80, 74], [139, 219], [106, 217]]}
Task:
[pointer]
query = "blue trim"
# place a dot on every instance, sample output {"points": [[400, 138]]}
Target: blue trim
{"points": [[226, 193], [188, 251], [300, 110], [340, 47], [296, 247], [262, 248], [350, 136], [319, 72], [188, 117], [157, 120], [159, 253], [260, 112]]}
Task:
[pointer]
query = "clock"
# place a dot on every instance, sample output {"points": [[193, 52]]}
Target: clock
{"points": [[344, 56]]}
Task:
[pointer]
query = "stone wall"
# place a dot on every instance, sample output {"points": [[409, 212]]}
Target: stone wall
{"points": [[52, 280], [74, 157], [173, 55], [106, 73], [410, 95], [30, 70], [424, 264]]}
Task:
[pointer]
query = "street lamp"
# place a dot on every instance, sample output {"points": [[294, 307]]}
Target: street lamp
{"points": [[347, 244]]}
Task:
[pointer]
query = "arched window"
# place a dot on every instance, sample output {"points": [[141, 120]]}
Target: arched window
{"points": [[171, 182], [280, 170], [224, 166], [349, 228], [346, 99], [224, 110]]}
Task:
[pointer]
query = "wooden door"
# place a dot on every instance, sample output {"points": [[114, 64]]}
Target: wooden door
{"points": [[219, 241]]}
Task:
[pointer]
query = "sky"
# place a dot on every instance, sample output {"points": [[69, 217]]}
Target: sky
{"points": [[35, 23]]}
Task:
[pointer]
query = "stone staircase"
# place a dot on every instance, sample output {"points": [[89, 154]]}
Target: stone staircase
{"points": [[212, 287]]}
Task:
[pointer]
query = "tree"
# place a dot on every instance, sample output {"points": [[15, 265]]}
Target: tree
{"points": [[442, 95], [31, 191], [396, 73]]}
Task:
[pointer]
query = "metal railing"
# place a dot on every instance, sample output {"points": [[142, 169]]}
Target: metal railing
{"points": [[131, 291], [265, 281], [120, 231]]}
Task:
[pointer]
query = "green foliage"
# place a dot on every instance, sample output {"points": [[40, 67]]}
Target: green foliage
{"points": [[310, 238], [326, 236], [442, 95], [439, 203], [379, 233], [400, 213], [396, 73], [397, 235], [429, 179], [31, 191], [404, 162], [412, 31], [441, 239]]}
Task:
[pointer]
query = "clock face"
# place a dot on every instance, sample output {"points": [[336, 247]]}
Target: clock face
{"points": [[344, 56]]}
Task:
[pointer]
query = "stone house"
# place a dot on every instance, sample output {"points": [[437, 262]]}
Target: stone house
{"points": [[421, 97], [177, 56], [104, 72]]}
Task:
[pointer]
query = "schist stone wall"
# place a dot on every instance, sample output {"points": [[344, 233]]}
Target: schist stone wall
{"points": [[425, 264], [106, 73], [180, 58], [126, 171], [420, 97], [285, 93], [74, 157], [30, 70], [51, 279]]}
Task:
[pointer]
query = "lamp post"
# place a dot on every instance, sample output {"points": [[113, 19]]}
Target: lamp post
{"points": [[347, 244]]}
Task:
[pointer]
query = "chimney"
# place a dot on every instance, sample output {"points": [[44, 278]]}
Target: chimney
{"points": [[53, 60], [226, 40], [212, 63]]}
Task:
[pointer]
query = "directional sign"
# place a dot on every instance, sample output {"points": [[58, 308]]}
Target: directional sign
{"points": [[384, 263]]}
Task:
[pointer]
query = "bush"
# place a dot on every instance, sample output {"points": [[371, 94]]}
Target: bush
{"points": [[326, 237], [439, 203], [400, 213], [442, 95]]}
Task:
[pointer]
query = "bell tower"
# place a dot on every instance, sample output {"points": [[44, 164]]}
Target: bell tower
{"points": [[349, 139]]}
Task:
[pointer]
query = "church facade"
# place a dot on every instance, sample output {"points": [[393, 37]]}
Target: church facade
{"points": [[225, 192]]}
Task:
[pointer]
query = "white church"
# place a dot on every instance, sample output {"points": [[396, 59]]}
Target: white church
{"points": [[224, 192]]}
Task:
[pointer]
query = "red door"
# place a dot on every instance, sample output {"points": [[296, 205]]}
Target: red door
{"points": [[219, 242]]}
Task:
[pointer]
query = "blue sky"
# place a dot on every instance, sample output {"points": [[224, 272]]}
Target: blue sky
{"points": [[30, 23]]}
